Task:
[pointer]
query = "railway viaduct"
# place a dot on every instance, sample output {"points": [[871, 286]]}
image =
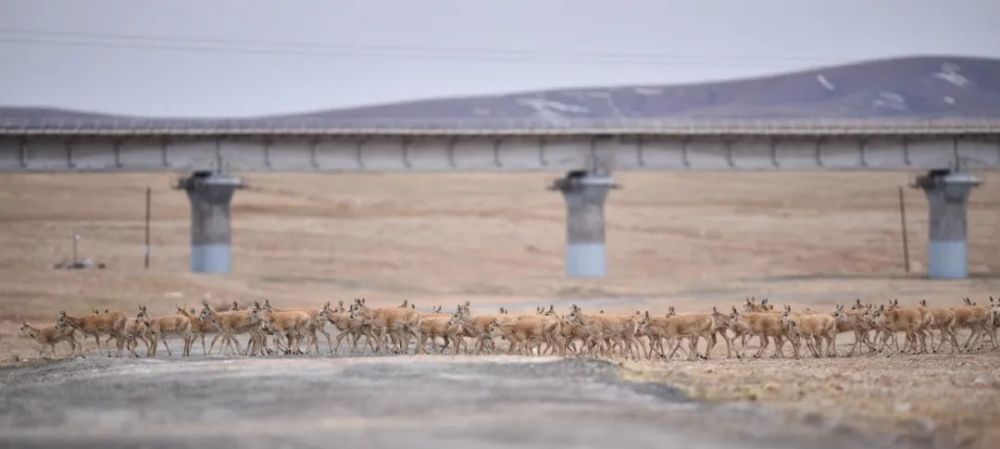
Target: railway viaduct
{"points": [[586, 154]]}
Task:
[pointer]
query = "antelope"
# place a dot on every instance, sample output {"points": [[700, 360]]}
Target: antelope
{"points": [[443, 325], [133, 333], [995, 313], [397, 323], [605, 329], [761, 324], [199, 327], [346, 325], [48, 336], [317, 324], [157, 329], [894, 319], [478, 327], [975, 318], [753, 306], [112, 324], [853, 321], [944, 321], [655, 329], [678, 327], [231, 323], [292, 324], [815, 328], [527, 332]]}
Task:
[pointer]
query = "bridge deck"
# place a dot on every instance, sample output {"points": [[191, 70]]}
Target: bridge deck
{"points": [[244, 146]]}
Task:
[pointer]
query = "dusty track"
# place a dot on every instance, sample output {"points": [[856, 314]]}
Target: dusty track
{"points": [[409, 401]]}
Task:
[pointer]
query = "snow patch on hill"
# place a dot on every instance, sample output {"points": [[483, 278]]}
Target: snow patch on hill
{"points": [[950, 73], [551, 110], [890, 100], [825, 82], [648, 91]]}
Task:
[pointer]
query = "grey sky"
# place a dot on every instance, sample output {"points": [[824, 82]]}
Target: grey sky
{"points": [[284, 56]]}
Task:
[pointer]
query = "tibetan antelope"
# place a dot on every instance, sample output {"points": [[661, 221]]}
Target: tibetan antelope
{"points": [[48, 336], [157, 329], [112, 323]]}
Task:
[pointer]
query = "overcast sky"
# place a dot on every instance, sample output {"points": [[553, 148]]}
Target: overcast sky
{"points": [[213, 58]]}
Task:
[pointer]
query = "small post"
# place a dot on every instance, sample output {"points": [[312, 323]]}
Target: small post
{"points": [[76, 238], [902, 221], [149, 193]]}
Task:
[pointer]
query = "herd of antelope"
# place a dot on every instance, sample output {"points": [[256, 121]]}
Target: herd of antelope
{"points": [[545, 332]]}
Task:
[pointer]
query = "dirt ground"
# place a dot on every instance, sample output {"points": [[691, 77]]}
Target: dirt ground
{"points": [[690, 240], [938, 400]]}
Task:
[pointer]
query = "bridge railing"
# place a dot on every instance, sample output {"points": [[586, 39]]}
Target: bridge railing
{"points": [[310, 125]]}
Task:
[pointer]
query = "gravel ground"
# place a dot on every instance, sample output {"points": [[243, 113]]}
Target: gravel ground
{"points": [[938, 400], [412, 401]]}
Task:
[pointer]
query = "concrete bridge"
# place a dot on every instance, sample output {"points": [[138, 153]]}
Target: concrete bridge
{"points": [[587, 151]]}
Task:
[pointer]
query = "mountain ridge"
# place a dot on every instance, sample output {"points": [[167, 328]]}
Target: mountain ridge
{"points": [[905, 87]]}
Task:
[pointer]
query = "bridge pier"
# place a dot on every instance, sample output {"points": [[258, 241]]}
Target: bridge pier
{"points": [[585, 194], [948, 193], [210, 194]]}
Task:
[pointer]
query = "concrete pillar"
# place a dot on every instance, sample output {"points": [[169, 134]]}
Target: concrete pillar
{"points": [[211, 242], [947, 191], [584, 194]]}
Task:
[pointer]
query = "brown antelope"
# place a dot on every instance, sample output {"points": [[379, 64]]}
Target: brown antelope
{"points": [[48, 336], [894, 319], [692, 327], [815, 328], [133, 334], [291, 324], [112, 323], [346, 326], [942, 320], [396, 323], [853, 321], [478, 327], [975, 318], [440, 325], [199, 327], [232, 323], [753, 306], [607, 330], [654, 328], [157, 329], [764, 325], [316, 325], [527, 332]]}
